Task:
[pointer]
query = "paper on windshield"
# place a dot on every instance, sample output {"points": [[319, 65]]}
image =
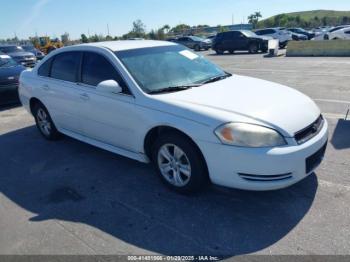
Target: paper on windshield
{"points": [[4, 56], [188, 54]]}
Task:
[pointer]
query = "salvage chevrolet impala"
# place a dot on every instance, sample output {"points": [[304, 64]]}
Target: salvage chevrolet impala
{"points": [[159, 102]]}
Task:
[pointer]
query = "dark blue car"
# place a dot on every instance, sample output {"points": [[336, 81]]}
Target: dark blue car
{"points": [[9, 75]]}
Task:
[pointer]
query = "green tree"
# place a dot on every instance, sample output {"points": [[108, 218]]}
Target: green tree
{"points": [[180, 29], [84, 39], [221, 29], [166, 28], [109, 38], [254, 19], [139, 28], [65, 38]]}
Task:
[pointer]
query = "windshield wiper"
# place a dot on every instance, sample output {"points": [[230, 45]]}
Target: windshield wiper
{"points": [[172, 89], [216, 78]]}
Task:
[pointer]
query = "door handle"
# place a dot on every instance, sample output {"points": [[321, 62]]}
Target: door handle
{"points": [[45, 87], [84, 96]]}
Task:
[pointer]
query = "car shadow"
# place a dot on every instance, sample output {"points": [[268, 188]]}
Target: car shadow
{"points": [[341, 136], [71, 181], [8, 106]]}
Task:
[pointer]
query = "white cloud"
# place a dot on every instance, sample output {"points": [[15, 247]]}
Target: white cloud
{"points": [[33, 14]]}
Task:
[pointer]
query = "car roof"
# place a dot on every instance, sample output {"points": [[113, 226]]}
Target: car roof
{"points": [[129, 44]]}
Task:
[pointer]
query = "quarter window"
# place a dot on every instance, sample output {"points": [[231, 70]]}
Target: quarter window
{"points": [[44, 69], [65, 66], [96, 69]]}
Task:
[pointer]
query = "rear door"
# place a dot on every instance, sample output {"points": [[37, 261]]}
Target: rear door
{"points": [[240, 41], [228, 41], [58, 90], [110, 118]]}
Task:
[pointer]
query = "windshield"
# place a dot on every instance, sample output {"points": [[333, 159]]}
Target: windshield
{"points": [[158, 68], [6, 61], [11, 49], [249, 33], [28, 48], [196, 38]]}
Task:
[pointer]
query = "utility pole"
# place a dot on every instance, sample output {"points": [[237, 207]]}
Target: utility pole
{"points": [[233, 19], [108, 29]]}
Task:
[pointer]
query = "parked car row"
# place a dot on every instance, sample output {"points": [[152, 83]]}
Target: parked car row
{"points": [[26, 55], [9, 75], [253, 42], [193, 42]]}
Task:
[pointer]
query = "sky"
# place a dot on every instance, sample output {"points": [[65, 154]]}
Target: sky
{"points": [[26, 18]]}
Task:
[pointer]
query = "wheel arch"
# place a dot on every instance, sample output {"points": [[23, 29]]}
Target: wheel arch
{"points": [[156, 131], [32, 102]]}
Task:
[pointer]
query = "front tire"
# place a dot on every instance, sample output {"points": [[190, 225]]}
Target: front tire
{"points": [[197, 48], [179, 163], [44, 123]]}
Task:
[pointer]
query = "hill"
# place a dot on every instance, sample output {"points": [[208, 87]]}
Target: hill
{"points": [[307, 19]]}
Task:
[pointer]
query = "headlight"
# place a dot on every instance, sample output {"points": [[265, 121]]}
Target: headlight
{"points": [[249, 135]]}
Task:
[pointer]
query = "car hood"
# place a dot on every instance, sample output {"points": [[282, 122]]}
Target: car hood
{"points": [[20, 54], [15, 71], [246, 99]]}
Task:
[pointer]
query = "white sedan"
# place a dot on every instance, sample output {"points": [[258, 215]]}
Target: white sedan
{"points": [[159, 102], [343, 34]]}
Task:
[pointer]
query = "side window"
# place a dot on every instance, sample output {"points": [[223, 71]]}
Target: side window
{"points": [[261, 32], [65, 66], [44, 69], [229, 35], [234, 35], [96, 69], [347, 32]]}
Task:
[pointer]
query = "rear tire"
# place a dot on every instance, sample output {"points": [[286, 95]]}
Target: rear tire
{"points": [[44, 123], [179, 163], [264, 50], [253, 48], [219, 51], [282, 45]]}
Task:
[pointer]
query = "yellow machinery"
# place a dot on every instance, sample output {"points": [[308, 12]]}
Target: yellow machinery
{"points": [[46, 45]]}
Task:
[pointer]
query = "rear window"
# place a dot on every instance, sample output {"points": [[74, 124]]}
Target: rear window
{"points": [[65, 66]]}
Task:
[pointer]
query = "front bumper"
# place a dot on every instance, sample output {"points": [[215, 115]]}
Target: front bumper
{"points": [[206, 45], [263, 169], [27, 62]]}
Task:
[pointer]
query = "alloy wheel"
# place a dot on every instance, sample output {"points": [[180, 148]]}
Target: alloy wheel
{"points": [[43, 122], [174, 165]]}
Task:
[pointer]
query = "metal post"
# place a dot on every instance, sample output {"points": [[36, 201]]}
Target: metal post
{"points": [[347, 113]]}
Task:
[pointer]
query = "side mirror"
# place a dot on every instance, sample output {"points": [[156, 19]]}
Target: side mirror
{"points": [[109, 86]]}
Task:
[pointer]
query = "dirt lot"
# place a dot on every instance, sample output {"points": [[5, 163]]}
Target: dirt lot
{"points": [[67, 197]]}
